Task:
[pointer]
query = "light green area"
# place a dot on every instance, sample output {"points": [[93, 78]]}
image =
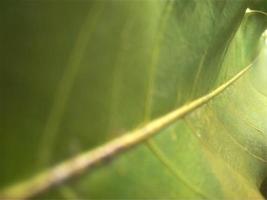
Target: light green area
{"points": [[77, 74]]}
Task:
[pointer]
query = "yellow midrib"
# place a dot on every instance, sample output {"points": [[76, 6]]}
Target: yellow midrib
{"points": [[88, 160]]}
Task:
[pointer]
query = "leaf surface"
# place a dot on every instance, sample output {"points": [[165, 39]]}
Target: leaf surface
{"points": [[79, 74]]}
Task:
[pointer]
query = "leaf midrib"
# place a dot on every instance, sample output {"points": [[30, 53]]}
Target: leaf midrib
{"points": [[92, 158]]}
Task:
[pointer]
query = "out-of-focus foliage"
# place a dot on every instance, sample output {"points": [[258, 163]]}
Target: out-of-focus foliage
{"points": [[76, 74]]}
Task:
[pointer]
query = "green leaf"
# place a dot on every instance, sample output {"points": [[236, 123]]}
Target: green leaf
{"points": [[103, 77]]}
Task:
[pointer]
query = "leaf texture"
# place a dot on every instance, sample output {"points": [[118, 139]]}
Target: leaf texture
{"points": [[85, 73]]}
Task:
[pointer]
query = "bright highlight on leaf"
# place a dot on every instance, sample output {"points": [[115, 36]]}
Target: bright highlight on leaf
{"points": [[265, 36], [248, 10]]}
